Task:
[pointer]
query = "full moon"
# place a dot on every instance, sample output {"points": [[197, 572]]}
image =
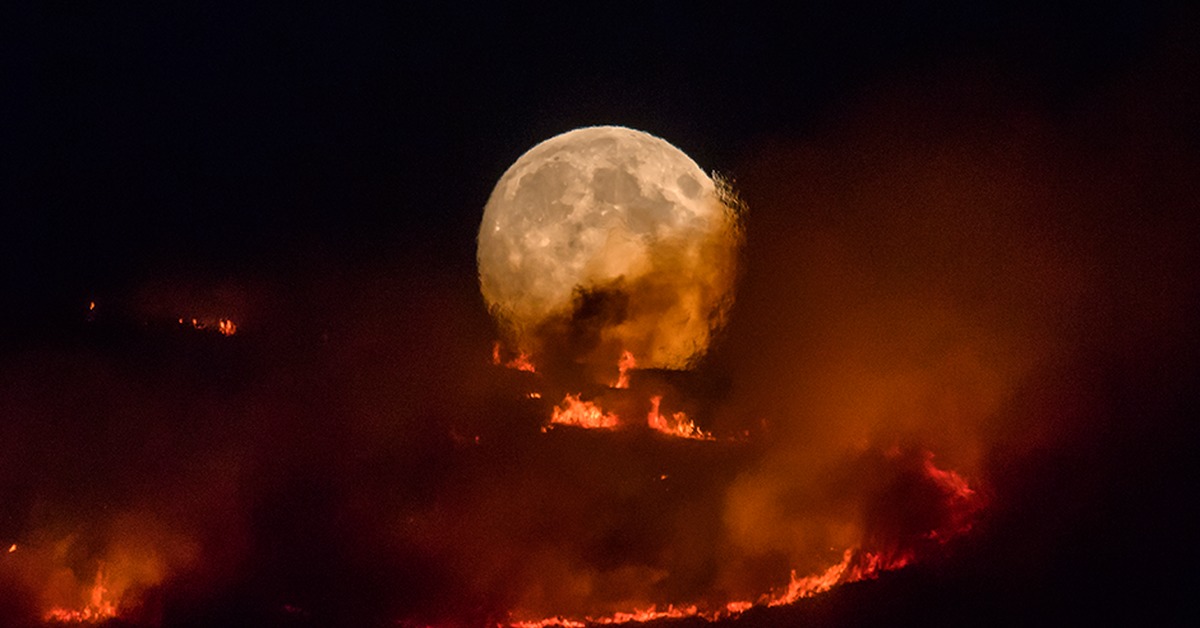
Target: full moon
{"points": [[617, 212]]}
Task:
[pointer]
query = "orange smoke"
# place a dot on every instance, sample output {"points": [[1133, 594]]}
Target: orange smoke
{"points": [[872, 555]]}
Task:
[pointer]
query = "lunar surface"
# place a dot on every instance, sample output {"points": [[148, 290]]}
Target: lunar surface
{"points": [[616, 230]]}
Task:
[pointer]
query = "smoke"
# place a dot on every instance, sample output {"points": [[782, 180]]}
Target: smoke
{"points": [[952, 274], [940, 289]]}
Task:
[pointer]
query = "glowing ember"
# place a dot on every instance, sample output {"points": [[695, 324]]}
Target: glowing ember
{"points": [[224, 326], [97, 609], [12, 548], [574, 411], [678, 425], [624, 365]]}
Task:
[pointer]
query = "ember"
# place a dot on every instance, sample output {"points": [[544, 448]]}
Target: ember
{"points": [[224, 326]]}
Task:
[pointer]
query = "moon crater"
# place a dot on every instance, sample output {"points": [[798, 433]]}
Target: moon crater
{"points": [[602, 210]]}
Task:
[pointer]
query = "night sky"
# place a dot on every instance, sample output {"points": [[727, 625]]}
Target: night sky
{"points": [[1027, 173]]}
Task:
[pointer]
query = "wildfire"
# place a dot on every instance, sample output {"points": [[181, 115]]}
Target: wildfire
{"points": [[522, 361], [857, 564], [867, 566], [641, 616], [574, 411], [98, 608], [624, 365], [678, 425]]}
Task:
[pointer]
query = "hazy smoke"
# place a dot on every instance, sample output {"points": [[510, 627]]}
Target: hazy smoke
{"points": [[934, 283]]}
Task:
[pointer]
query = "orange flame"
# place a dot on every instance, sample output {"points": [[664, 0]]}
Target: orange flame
{"points": [[225, 326], [97, 609], [856, 565], [640, 615], [574, 411], [679, 424], [624, 365], [522, 362]]}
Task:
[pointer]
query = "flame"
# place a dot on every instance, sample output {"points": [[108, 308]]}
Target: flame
{"points": [[12, 548], [574, 411], [857, 564], [640, 615], [679, 424], [522, 362], [737, 608], [225, 326], [624, 365], [98, 608]]}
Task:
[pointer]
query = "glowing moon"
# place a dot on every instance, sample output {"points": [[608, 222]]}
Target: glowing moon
{"points": [[614, 209]]}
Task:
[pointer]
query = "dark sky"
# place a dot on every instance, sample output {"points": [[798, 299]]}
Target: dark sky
{"points": [[221, 138], [928, 183]]}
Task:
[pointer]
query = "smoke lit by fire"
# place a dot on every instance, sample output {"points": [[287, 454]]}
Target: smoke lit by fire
{"points": [[930, 318]]}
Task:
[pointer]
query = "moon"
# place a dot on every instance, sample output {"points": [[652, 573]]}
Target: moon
{"points": [[616, 210]]}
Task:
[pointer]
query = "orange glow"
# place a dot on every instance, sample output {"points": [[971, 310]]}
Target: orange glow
{"points": [[678, 425], [737, 608], [641, 616], [624, 365], [857, 564], [522, 362], [574, 411], [225, 326], [12, 548], [98, 608]]}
